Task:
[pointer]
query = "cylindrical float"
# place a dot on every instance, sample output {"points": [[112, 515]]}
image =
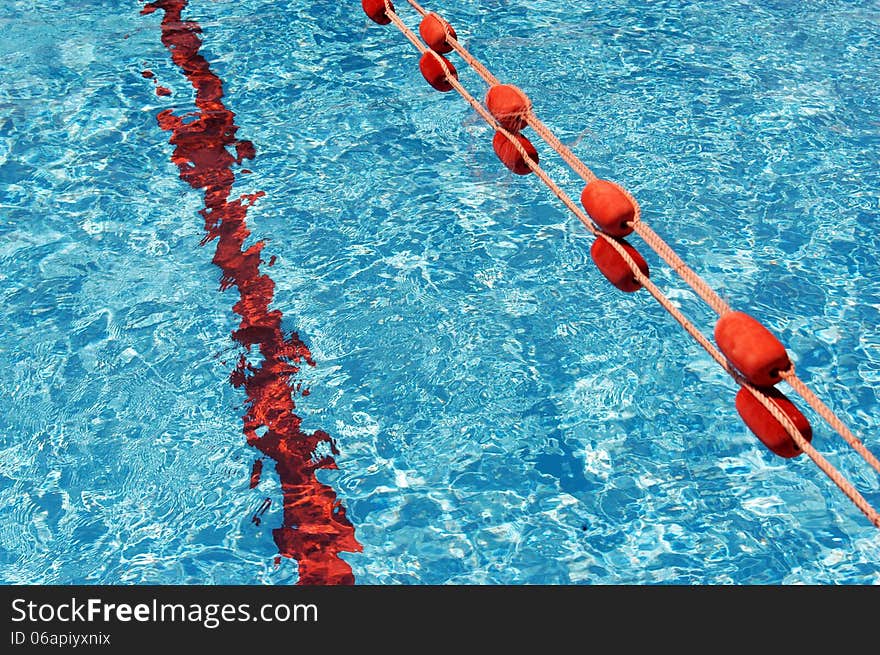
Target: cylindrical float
{"points": [[375, 9], [509, 105], [609, 207], [766, 427], [433, 72], [510, 156], [612, 265], [751, 348], [434, 31]]}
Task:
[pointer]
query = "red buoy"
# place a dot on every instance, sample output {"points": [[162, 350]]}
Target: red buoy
{"points": [[613, 266], [509, 105], [510, 156], [375, 9], [769, 430], [433, 71], [609, 206], [751, 348], [434, 31]]}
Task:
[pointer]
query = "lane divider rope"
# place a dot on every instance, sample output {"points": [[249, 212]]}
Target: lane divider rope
{"points": [[783, 414], [648, 235]]}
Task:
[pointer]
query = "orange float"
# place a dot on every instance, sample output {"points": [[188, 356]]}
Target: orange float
{"points": [[375, 9], [751, 348], [509, 105], [433, 72], [609, 207], [766, 427], [434, 31], [612, 265], [510, 156]]}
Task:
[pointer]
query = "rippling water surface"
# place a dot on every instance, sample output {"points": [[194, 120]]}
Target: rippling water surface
{"points": [[502, 414]]}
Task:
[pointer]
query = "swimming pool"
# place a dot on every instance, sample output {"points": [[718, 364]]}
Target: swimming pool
{"points": [[499, 413]]}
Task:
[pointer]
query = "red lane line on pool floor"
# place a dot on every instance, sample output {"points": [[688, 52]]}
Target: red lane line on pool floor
{"points": [[315, 529]]}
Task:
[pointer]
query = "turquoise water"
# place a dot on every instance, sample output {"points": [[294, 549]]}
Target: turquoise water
{"points": [[502, 414]]}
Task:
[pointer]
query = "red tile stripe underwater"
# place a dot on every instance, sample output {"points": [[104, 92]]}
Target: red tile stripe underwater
{"points": [[315, 529]]}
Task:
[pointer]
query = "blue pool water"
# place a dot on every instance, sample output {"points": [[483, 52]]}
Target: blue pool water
{"points": [[503, 415]]}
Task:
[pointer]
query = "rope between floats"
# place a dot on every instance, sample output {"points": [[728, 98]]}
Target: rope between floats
{"points": [[832, 419], [666, 253], [660, 247], [663, 250]]}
